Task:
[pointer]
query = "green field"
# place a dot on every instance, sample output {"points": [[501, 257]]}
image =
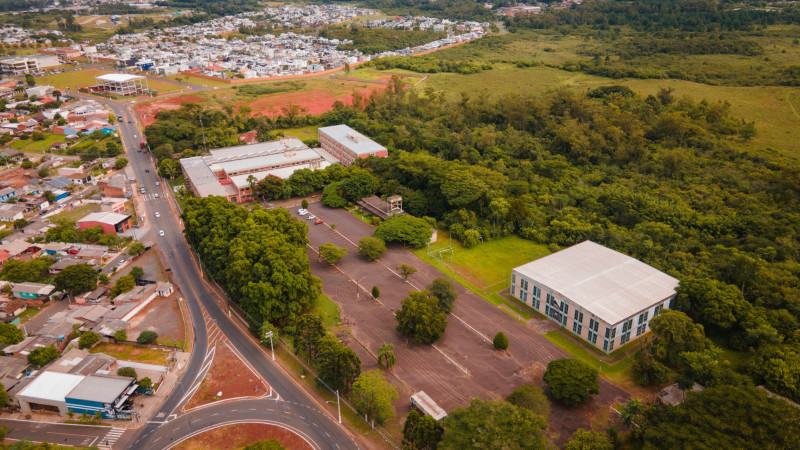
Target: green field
{"points": [[488, 263], [127, 352], [31, 146], [75, 214], [73, 80], [302, 133], [329, 311], [198, 81]]}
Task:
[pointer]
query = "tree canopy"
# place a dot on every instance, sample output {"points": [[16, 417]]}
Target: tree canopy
{"points": [[76, 279], [406, 229], [420, 318], [258, 256], [571, 381], [443, 289], [10, 334], [531, 398], [494, 424], [371, 248], [421, 432], [373, 396]]}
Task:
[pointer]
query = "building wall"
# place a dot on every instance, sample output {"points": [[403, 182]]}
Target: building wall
{"points": [[107, 227], [581, 322], [341, 152]]}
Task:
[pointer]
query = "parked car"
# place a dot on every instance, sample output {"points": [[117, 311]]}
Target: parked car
{"points": [[302, 211], [319, 221], [311, 217], [147, 170], [155, 195], [161, 233]]}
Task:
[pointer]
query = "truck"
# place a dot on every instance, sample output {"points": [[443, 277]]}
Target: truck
{"points": [[143, 145]]}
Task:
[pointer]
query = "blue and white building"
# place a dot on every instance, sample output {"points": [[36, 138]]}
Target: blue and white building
{"points": [[604, 297]]}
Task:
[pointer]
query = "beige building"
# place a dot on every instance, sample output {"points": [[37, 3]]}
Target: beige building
{"points": [[599, 294]]}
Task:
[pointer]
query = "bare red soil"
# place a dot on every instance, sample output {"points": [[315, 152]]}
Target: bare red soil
{"points": [[230, 376], [239, 435]]}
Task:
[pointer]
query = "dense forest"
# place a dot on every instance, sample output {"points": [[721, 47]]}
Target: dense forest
{"points": [[377, 40], [446, 9]]}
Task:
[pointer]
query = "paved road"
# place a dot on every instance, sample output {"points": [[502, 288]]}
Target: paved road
{"points": [[296, 408], [61, 434], [40, 319]]}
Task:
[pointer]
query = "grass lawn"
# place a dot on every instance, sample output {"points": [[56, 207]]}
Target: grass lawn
{"points": [[302, 133], [127, 352], [490, 262], [31, 146], [328, 310], [75, 214], [73, 80], [737, 358], [179, 181], [28, 314], [163, 87]]}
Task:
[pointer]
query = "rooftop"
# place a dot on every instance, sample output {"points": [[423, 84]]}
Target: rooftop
{"points": [[352, 139], [604, 282], [119, 77], [202, 178], [110, 218], [100, 388], [52, 386]]}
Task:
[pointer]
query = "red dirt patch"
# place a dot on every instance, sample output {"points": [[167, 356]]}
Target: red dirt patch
{"points": [[147, 111], [18, 177], [239, 435], [314, 102], [229, 375]]}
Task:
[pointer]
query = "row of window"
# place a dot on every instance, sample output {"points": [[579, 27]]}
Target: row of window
{"points": [[558, 311]]}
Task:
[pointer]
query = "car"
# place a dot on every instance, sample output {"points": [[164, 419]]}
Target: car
{"points": [[121, 261], [142, 190], [314, 196], [134, 136], [155, 195], [158, 183], [161, 233], [318, 221], [158, 214], [302, 211], [73, 251], [147, 170], [131, 179], [311, 217]]}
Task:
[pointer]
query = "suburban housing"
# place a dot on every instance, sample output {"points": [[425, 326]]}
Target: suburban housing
{"points": [[110, 222], [595, 291]]}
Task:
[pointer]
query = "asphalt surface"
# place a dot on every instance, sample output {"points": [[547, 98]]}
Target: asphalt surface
{"points": [[55, 433], [290, 405]]}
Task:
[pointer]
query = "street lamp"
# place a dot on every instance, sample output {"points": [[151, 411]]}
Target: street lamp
{"points": [[358, 288], [268, 334], [338, 407]]}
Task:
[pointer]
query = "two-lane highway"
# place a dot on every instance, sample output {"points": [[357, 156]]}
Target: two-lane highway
{"points": [[295, 409]]}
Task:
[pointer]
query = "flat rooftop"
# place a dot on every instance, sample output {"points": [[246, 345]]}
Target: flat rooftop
{"points": [[202, 178], [51, 386], [100, 388], [352, 139], [119, 77], [110, 218], [607, 283]]}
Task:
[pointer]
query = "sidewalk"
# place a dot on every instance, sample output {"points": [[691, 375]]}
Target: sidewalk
{"points": [[147, 406]]}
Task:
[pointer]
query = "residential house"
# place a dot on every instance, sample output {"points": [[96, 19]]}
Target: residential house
{"points": [[114, 186], [116, 205], [164, 289], [33, 291], [10, 308], [7, 192], [110, 222]]}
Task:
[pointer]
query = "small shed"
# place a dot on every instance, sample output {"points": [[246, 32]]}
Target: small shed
{"points": [[424, 403]]}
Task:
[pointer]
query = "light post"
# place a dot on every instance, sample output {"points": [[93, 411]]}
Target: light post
{"points": [[268, 334], [358, 288], [466, 361], [338, 408]]}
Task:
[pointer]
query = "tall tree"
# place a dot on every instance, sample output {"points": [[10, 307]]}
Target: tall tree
{"points": [[443, 289], [531, 398], [337, 364], [386, 358], [330, 253], [371, 247], [308, 331], [420, 318], [677, 333], [494, 424], [76, 279], [589, 440], [421, 432], [373, 396], [571, 381], [10, 334]]}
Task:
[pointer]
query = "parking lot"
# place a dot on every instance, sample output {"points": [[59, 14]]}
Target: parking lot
{"points": [[463, 364]]}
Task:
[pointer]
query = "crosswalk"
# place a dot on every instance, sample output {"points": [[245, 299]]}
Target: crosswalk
{"points": [[111, 437], [149, 197]]}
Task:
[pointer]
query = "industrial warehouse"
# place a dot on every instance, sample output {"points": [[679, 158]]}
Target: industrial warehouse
{"points": [[595, 291], [228, 172]]}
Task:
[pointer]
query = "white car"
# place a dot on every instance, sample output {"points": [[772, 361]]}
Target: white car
{"points": [[155, 195], [311, 217], [161, 233], [158, 214], [158, 183], [302, 211]]}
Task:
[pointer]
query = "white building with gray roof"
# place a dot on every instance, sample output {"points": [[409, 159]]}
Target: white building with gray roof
{"points": [[603, 296]]}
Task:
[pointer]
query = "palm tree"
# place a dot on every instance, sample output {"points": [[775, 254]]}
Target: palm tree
{"points": [[386, 358], [252, 181], [631, 411]]}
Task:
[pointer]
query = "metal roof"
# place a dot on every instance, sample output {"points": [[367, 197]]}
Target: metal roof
{"points": [[604, 282], [422, 401], [100, 388], [119, 77], [268, 161], [202, 178], [352, 139], [109, 218], [51, 386]]}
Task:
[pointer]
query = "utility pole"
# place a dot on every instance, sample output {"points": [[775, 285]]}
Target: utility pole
{"points": [[358, 288], [338, 407]]}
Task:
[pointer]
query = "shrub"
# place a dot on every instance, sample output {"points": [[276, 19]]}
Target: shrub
{"points": [[88, 340], [127, 372], [500, 341], [147, 337]]}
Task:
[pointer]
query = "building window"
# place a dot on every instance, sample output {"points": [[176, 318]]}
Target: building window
{"points": [[626, 332], [593, 325], [577, 328], [523, 290], [658, 308], [513, 282]]}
